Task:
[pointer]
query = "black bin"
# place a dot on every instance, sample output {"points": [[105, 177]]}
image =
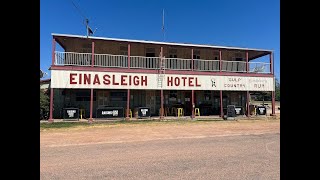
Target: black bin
{"points": [[239, 110], [261, 110], [70, 113], [143, 112], [110, 112]]}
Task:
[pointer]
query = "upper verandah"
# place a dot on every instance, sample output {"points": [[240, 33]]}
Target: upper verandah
{"points": [[113, 52]]}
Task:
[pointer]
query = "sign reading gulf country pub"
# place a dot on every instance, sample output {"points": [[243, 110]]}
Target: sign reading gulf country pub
{"points": [[116, 80]]}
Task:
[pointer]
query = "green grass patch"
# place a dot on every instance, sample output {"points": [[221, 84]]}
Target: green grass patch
{"points": [[60, 125]]}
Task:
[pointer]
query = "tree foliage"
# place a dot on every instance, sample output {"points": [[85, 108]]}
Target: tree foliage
{"points": [[277, 90], [44, 102]]}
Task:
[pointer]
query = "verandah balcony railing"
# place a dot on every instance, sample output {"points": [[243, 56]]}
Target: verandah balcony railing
{"points": [[121, 61]]}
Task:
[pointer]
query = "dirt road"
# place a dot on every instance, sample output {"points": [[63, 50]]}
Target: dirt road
{"points": [[174, 150]]}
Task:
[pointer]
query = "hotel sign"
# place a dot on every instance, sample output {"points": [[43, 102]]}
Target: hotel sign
{"points": [[115, 80]]}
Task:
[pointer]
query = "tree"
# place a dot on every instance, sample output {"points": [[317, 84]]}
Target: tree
{"points": [[277, 90], [44, 104]]}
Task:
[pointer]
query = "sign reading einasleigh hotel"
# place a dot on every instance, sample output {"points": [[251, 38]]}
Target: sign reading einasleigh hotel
{"points": [[113, 80]]}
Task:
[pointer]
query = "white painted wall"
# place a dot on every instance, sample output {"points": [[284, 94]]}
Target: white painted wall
{"points": [[112, 80]]}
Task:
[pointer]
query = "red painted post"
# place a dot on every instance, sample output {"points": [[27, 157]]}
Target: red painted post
{"points": [[271, 63], [51, 106], [221, 104], [92, 59], [193, 105], [53, 50], [220, 60], [247, 61], [128, 104], [192, 59], [274, 83], [273, 104], [161, 91], [128, 91], [129, 49], [91, 106], [248, 105]]}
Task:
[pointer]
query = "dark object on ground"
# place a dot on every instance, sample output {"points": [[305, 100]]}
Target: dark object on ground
{"points": [[278, 108]]}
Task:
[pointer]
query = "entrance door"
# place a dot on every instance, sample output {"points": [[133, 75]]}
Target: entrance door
{"points": [[151, 100]]}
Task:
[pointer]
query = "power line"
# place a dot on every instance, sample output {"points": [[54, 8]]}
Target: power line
{"points": [[79, 10], [164, 35], [86, 20]]}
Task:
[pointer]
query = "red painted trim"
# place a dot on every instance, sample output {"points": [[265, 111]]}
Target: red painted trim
{"points": [[161, 91], [273, 103], [247, 61], [220, 60], [51, 105], [92, 62], [192, 59], [128, 103], [45, 80], [221, 104], [104, 69], [151, 71], [193, 105], [129, 49], [161, 97], [272, 63], [53, 50], [248, 101], [91, 104]]}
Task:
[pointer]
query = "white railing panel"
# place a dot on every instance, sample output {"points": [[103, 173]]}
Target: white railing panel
{"points": [[259, 67], [206, 65], [233, 66], [178, 64], [121, 61]]}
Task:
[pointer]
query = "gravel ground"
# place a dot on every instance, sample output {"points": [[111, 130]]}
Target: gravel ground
{"points": [[204, 150]]}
